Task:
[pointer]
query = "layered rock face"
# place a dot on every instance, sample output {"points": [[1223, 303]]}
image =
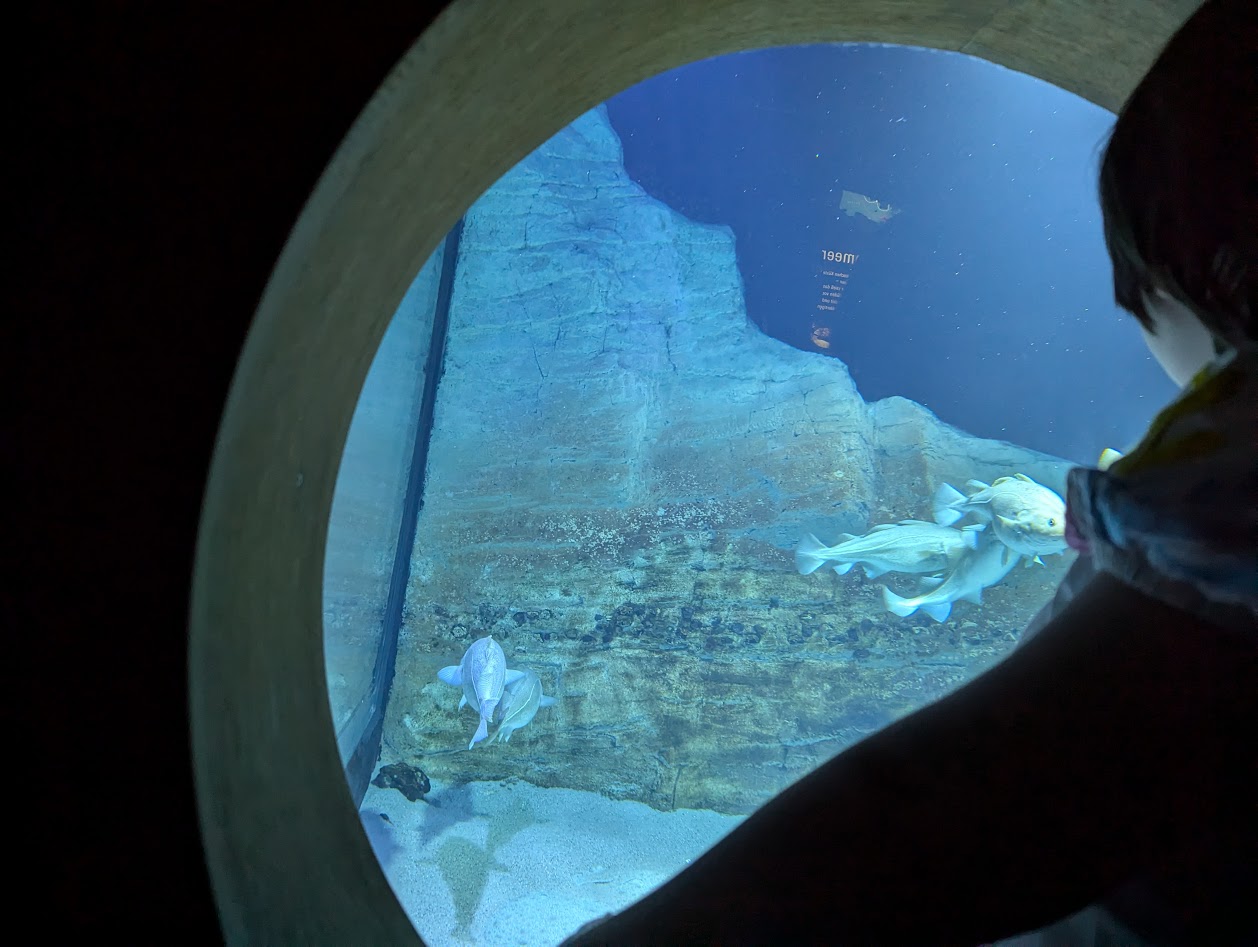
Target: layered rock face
{"points": [[620, 469]]}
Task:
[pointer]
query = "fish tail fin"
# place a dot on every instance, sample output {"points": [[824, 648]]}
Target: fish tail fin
{"points": [[896, 604], [482, 731], [809, 554], [946, 498], [938, 612]]}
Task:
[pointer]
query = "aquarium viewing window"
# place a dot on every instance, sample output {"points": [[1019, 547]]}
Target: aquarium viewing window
{"points": [[634, 433], [674, 474]]}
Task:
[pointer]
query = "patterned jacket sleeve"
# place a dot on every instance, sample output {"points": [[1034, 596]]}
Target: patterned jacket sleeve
{"points": [[1177, 517]]}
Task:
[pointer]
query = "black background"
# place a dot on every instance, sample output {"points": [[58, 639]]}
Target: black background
{"points": [[162, 156]]}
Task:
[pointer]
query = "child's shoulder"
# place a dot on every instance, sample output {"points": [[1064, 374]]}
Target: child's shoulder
{"points": [[1208, 417], [1178, 515]]}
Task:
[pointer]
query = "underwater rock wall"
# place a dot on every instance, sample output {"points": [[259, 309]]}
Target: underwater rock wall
{"points": [[367, 503], [620, 468], [915, 448]]}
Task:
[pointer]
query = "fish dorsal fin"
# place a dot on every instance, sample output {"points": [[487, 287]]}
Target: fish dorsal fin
{"points": [[881, 526], [916, 523], [978, 484], [1024, 478]]}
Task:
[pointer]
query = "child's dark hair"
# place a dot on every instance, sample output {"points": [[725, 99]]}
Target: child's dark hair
{"points": [[1179, 179]]}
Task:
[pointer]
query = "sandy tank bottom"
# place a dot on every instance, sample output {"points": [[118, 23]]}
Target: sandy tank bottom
{"points": [[508, 863]]}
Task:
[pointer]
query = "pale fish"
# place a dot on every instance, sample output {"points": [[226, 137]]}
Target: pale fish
{"points": [[907, 546], [1026, 516], [977, 570], [520, 702], [482, 674]]}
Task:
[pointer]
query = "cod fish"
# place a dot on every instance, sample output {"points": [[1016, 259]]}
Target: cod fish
{"points": [[979, 569], [520, 701], [482, 674], [1026, 516], [907, 546]]}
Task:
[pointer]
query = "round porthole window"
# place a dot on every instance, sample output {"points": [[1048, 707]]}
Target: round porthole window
{"points": [[672, 470]]}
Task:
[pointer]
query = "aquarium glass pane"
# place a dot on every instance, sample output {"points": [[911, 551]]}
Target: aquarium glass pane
{"points": [[366, 511], [760, 387]]}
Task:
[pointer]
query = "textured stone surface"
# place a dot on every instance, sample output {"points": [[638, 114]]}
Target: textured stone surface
{"points": [[620, 469]]}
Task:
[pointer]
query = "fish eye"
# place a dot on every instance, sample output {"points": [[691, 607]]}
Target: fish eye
{"points": [[1052, 522]]}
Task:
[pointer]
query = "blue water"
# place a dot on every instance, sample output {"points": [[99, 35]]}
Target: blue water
{"points": [[988, 298]]}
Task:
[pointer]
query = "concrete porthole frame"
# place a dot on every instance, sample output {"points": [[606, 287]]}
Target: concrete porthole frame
{"points": [[482, 87]]}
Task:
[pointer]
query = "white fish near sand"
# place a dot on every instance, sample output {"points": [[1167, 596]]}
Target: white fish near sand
{"points": [[977, 570], [907, 546], [482, 674], [1026, 516], [519, 705]]}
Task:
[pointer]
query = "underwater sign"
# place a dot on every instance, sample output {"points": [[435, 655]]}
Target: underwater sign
{"points": [[837, 264]]}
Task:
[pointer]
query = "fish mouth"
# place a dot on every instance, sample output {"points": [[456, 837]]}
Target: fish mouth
{"points": [[1047, 543], [1034, 533], [1036, 542]]}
